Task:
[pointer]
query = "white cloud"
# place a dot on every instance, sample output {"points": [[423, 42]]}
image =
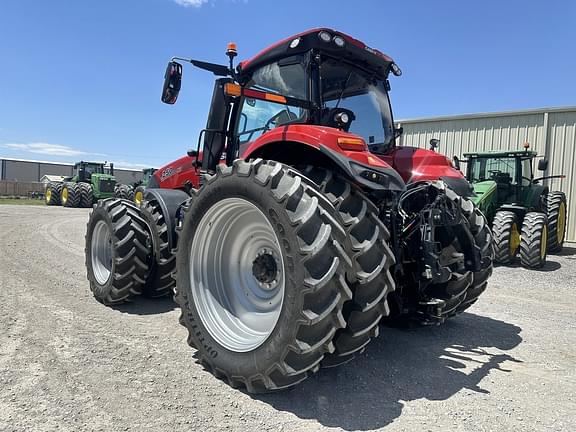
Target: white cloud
{"points": [[191, 3], [130, 165], [48, 149]]}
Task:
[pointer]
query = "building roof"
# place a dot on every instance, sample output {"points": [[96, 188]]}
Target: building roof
{"points": [[487, 114], [52, 178], [62, 163]]}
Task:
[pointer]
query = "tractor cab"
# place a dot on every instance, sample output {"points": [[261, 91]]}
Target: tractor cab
{"points": [[83, 171], [510, 173], [320, 96]]}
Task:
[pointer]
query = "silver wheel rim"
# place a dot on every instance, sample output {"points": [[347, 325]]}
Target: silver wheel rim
{"points": [[101, 252], [237, 274]]}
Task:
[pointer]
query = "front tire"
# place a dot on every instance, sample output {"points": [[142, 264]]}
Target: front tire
{"points": [[506, 232], [117, 251], [557, 215], [268, 319], [160, 282], [534, 240]]}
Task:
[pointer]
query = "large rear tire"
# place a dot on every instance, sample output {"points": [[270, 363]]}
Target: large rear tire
{"points": [[70, 195], [557, 218], [117, 251], [506, 233], [534, 240], [261, 275], [371, 258], [52, 193], [160, 282]]}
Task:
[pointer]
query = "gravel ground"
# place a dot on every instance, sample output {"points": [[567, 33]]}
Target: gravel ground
{"points": [[69, 363]]}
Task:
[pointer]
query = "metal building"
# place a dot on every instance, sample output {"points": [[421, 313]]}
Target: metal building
{"points": [[24, 170], [550, 131]]}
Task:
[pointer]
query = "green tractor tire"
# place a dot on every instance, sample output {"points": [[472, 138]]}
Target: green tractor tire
{"points": [[86, 195], [70, 195], [506, 234], [557, 217], [124, 191], [52, 193], [534, 241]]}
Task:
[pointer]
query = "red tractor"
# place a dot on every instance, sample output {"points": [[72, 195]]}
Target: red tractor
{"points": [[300, 225]]}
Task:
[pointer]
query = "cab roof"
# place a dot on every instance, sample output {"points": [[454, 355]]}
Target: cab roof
{"points": [[353, 50], [502, 153]]}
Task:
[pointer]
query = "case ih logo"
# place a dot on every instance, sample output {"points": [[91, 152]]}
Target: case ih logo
{"points": [[168, 172]]}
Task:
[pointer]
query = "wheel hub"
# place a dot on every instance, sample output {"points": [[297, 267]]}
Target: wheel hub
{"points": [[265, 269]]}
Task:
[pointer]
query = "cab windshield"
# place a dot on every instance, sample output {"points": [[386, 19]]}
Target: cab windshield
{"points": [[342, 85], [345, 86]]}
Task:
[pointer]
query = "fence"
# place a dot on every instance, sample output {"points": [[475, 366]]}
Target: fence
{"points": [[13, 188]]}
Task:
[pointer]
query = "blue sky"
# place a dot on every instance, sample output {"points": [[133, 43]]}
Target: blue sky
{"points": [[82, 79]]}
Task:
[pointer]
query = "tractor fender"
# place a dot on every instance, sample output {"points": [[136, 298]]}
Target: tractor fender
{"points": [[417, 164], [306, 144], [170, 200], [536, 197], [176, 174]]}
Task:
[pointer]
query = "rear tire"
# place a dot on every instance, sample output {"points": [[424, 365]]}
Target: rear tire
{"points": [[160, 282], [124, 191], [117, 251], [534, 240], [86, 195], [52, 194], [70, 195], [557, 218], [506, 233], [371, 259], [299, 231]]}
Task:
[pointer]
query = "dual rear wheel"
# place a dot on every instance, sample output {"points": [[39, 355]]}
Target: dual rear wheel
{"points": [[528, 238]]}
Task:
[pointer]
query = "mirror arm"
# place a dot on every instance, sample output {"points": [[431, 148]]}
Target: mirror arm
{"points": [[560, 176], [216, 69]]}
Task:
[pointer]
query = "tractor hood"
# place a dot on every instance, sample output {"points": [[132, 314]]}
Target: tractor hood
{"points": [[99, 176], [484, 191], [417, 164]]}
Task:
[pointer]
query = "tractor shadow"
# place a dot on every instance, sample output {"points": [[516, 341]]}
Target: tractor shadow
{"points": [[432, 363], [146, 306], [548, 266], [566, 251]]}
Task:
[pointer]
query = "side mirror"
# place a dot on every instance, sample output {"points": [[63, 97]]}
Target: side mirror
{"points": [[192, 153], [456, 162], [172, 82], [542, 165], [434, 143], [398, 131]]}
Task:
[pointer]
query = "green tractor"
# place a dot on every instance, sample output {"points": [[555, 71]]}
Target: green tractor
{"points": [[141, 186], [526, 218], [91, 181]]}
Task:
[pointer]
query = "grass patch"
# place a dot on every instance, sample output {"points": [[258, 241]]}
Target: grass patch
{"points": [[23, 201]]}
